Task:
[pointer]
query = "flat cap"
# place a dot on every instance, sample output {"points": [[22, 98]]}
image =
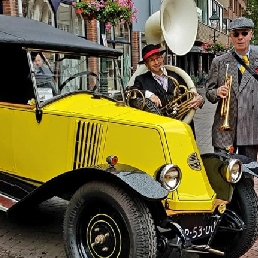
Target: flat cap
{"points": [[241, 23]]}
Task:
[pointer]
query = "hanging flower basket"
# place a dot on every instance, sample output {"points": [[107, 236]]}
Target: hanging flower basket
{"points": [[110, 12], [89, 16]]}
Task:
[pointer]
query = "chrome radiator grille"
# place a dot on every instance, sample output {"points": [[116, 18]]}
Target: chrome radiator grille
{"points": [[87, 145]]}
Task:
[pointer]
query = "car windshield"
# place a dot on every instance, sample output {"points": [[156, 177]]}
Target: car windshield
{"points": [[59, 73]]}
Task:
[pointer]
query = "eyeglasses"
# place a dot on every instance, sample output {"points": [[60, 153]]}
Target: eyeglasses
{"points": [[243, 33]]}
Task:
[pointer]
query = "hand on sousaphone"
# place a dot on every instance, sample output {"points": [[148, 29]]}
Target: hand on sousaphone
{"points": [[197, 101], [156, 100]]}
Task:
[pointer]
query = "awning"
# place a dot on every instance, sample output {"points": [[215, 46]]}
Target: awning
{"points": [[196, 49]]}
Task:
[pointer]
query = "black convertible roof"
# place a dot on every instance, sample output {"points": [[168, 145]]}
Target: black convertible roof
{"points": [[30, 33]]}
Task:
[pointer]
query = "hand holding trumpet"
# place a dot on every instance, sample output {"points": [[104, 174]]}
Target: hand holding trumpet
{"points": [[222, 91]]}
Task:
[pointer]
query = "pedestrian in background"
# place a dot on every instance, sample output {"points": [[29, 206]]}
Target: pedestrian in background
{"points": [[46, 85], [242, 94], [39, 66]]}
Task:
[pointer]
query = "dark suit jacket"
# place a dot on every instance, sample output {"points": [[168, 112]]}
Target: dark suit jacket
{"points": [[243, 108], [146, 81]]}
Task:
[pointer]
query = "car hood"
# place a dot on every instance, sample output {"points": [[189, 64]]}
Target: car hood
{"points": [[86, 106]]}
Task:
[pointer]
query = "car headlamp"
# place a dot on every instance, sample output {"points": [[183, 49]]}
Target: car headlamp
{"points": [[170, 177], [232, 172]]}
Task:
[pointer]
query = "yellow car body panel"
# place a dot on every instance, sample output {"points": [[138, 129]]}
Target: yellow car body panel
{"points": [[51, 148], [54, 139], [6, 150]]}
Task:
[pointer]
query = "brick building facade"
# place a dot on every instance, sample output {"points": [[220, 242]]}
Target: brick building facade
{"points": [[10, 7]]}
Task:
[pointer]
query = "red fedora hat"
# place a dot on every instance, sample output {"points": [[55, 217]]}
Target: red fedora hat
{"points": [[150, 50]]}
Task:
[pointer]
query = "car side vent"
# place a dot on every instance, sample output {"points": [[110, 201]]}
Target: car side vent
{"points": [[87, 145]]}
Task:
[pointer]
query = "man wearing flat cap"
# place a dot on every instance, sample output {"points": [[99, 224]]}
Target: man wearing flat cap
{"points": [[241, 63], [155, 83]]}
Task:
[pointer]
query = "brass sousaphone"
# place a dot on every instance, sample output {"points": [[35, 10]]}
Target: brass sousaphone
{"points": [[176, 26]]}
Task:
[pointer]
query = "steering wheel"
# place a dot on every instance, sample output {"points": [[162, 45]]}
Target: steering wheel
{"points": [[78, 75]]}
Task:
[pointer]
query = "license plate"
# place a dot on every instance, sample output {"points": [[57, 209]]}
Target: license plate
{"points": [[198, 232]]}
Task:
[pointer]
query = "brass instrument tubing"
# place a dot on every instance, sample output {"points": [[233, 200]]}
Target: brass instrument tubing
{"points": [[173, 108], [224, 112]]}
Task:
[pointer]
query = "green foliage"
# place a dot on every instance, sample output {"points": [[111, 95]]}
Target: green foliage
{"points": [[215, 47], [195, 79], [252, 13]]}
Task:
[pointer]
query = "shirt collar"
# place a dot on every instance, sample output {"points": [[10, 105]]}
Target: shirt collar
{"points": [[246, 54], [163, 70]]}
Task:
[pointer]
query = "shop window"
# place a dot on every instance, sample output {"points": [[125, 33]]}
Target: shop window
{"points": [[38, 10], [117, 37], [69, 21], [202, 5], [224, 26]]}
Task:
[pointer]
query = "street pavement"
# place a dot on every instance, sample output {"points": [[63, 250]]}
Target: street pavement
{"points": [[40, 236]]}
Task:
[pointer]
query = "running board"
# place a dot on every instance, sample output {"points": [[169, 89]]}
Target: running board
{"points": [[6, 202]]}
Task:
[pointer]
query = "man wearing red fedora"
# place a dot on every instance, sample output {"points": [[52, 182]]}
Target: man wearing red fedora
{"points": [[155, 83]]}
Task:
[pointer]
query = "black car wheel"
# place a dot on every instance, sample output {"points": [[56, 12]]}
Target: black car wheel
{"points": [[230, 238], [103, 220]]}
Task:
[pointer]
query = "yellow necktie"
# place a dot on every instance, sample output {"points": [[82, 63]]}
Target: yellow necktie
{"points": [[245, 59]]}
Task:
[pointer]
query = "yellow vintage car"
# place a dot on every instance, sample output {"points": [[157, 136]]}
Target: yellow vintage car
{"points": [[136, 183]]}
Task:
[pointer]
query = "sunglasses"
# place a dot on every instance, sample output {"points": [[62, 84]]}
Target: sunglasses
{"points": [[243, 33]]}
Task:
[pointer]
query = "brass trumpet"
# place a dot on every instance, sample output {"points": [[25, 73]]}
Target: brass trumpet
{"points": [[224, 112]]}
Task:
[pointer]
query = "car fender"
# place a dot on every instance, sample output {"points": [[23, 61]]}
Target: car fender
{"points": [[66, 184], [138, 180], [212, 163], [249, 166]]}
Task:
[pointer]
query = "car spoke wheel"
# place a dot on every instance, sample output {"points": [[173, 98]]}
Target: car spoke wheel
{"points": [[104, 221], [104, 236]]}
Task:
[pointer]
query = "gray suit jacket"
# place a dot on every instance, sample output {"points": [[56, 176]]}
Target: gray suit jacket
{"points": [[43, 70], [243, 111]]}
